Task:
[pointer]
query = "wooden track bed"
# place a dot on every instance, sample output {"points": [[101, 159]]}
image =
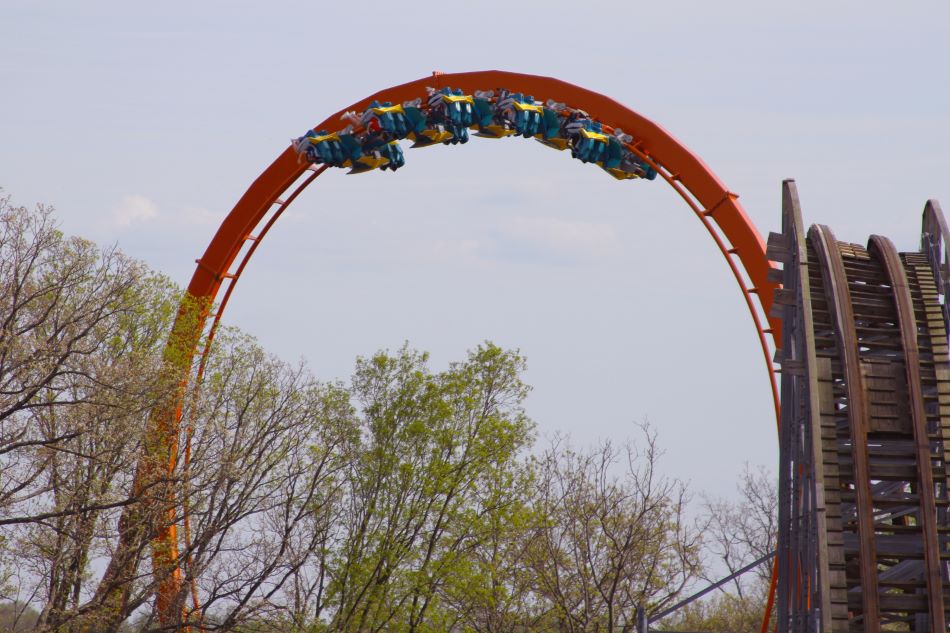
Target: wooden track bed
{"points": [[864, 526]]}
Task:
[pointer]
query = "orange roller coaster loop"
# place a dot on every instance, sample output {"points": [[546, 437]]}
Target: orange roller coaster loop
{"points": [[717, 208]]}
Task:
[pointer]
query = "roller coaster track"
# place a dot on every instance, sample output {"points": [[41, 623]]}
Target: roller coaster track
{"points": [[865, 430], [236, 240], [860, 334]]}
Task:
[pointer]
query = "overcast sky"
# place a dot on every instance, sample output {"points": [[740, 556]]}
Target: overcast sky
{"points": [[144, 123]]}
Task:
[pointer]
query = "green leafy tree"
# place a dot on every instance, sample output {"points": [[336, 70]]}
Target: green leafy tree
{"points": [[492, 589], [432, 444]]}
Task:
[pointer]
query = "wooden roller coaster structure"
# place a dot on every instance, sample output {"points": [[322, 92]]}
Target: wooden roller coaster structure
{"points": [[865, 429], [859, 337]]}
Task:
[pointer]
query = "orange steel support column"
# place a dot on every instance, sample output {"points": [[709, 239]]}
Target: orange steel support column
{"points": [[685, 171]]}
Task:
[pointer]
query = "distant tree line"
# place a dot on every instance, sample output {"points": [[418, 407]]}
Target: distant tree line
{"points": [[406, 499]]}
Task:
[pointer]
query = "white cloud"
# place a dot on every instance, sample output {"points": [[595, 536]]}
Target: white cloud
{"points": [[198, 216], [448, 250], [133, 209], [555, 236], [136, 209]]}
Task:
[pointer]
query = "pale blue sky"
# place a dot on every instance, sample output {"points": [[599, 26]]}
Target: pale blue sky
{"points": [[144, 123]]}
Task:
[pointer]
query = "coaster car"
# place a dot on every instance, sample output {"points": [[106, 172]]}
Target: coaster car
{"points": [[337, 149], [550, 127], [627, 168], [379, 155], [489, 124], [383, 125], [520, 112], [394, 121], [368, 162], [433, 136], [370, 141], [588, 142], [450, 111], [632, 166]]}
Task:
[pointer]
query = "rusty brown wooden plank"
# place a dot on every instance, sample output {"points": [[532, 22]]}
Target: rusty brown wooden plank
{"points": [[839, 300], [813, 369], [884, 248]]}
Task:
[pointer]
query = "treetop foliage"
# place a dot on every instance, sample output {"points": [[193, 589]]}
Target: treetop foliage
{"points": [[404, 499]]}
